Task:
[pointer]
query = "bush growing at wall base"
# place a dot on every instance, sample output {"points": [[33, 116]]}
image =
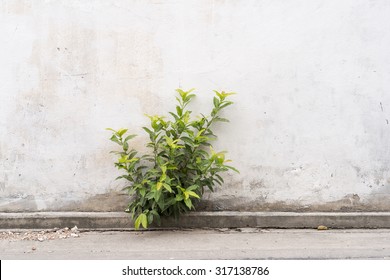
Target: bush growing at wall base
{"points": [[182, 163]]}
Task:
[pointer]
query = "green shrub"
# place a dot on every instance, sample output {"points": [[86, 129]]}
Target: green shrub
{"points": [[170, 179]]}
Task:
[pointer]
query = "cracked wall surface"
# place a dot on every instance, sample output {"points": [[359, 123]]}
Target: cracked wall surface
{"points": [[309, 130]]}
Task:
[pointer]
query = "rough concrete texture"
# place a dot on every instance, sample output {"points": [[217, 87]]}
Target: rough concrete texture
{"points": [[210, 244], [117, 220], [309, 128]]}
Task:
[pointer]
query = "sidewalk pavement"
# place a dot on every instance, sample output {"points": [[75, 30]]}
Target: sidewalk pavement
{"points": [[223, 243]]}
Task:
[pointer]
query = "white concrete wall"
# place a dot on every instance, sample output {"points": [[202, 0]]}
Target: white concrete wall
{"points": [[309, 130]]}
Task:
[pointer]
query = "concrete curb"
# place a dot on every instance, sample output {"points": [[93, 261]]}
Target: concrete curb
{"points": [[231, 219]]}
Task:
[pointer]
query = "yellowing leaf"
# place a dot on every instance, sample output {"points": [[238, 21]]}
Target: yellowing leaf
{"points": [[121, 131], [141, 220], [123, 159], [144, 220], [191, 193]]}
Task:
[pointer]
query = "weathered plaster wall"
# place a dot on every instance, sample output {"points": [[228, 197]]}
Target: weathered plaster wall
{"points": [[309, 131]]}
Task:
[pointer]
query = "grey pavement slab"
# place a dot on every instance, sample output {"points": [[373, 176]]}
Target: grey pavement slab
{"points": [[244, 243]]}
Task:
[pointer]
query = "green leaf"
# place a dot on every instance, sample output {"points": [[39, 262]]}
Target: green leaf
{"points": [[182, 93], [200, 133], [226, 94], [178, 100], [149, 195], [148, 131], [216, 102], [115, 139], [232, 168], [189, 97], [188, 203], [218, 94], [222, 95], [122, 131], [157, 195], [132, 153], [121, 177], [156, 216], [225, 104], [176, 117], [150, 218], [202, 152], [188, 141], [218, 119], [179, 111], [169, 141], [218, 181], [167, 187], [192, 188], [130, 137], [125, 146], [219, 177]]}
